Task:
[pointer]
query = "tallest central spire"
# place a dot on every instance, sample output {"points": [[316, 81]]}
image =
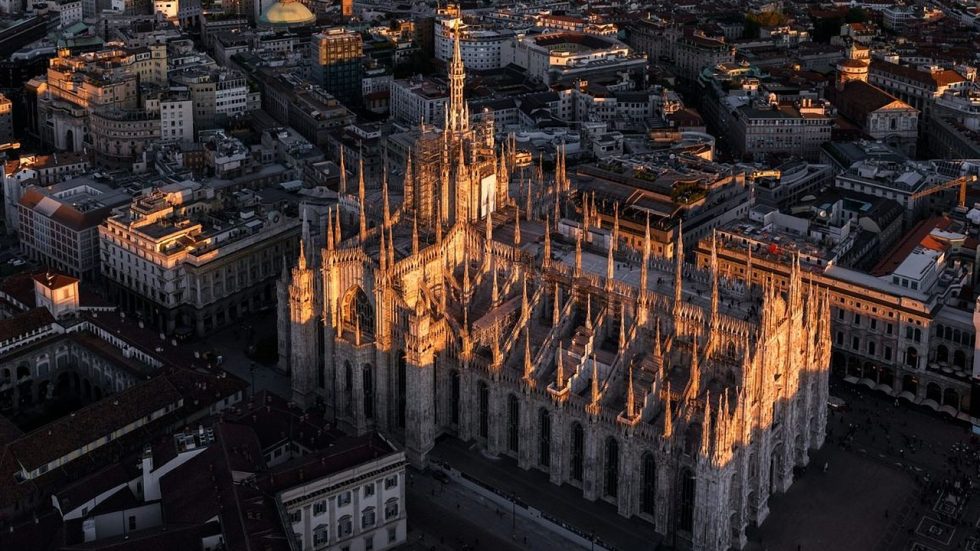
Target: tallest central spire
{"points": [[457, 76]]}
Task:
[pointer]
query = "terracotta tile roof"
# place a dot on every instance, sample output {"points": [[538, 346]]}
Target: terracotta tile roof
{"points": [[934, 79], [858, 99], [21, 324], [54, 280], [88, 424], [911, 241], [20, 287]]}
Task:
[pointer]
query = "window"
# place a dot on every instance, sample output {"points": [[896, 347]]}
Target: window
{"points": [[321, 536], [296, 516], [344, 526], [367, 517], [855, 343], [857, 319], [391, 508], [391, 482], [343, 499], [132, 522], [874, 324], [871, 348], [320, 507], [840, 314], [369, 543], [369, 490], [392, 535]]}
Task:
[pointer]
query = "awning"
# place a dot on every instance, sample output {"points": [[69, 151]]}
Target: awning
{"points": [[884, 388], [929, 402], [868, 382], [907, 395], [950, 410], [851, 379]]}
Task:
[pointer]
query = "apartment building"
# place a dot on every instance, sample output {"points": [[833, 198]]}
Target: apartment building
{"points": [[183, 262]]}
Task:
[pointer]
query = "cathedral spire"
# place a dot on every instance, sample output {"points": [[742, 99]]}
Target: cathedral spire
{"points": [[706, 428], [595, 385], [610, 266], [622, 326], [529, 203], [391, 247], [630, 400], [560, 369], [330, 237], [525, 305], [644, 270], [457, 77], [546, 255], [556, 307], [694, 385], [338, 230], [362, 219], [588, 311], [415, 236], [387, 212], [679, 267], [714, 282], [495, 293], [615, 231], [301, 263], [517, 227], [668, 414], [528, 365], [578, 255], [342, 187]]}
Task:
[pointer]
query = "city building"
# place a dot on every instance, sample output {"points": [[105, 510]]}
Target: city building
{"points": [[482, 46], [175, 256], [335, 63], [58, 225], [564, 58]]}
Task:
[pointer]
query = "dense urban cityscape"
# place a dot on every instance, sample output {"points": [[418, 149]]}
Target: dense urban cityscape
{"points": [[304, 275]]}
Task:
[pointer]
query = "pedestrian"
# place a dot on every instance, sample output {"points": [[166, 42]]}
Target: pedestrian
{"points": [[826, 466]]}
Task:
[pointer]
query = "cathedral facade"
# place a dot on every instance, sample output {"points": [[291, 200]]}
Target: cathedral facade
{"points": [[666, 390]]}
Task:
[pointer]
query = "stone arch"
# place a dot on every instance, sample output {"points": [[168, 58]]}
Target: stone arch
{"points": [[685, 505], [358, 309], [951, 398], [44, 388], [513, 423], [578, 452], [692, 439], [648, 484], [544, 437], [611, 467], [942, 353], [959, 358], [6, 374], [934, 392], [912, 357], [776, 468], [910, 384], [367, 384], [853, 367], [96, 393], [23, 371]]}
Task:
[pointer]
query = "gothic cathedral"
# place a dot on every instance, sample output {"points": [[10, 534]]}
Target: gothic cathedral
{"points": [[673, 393]]}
